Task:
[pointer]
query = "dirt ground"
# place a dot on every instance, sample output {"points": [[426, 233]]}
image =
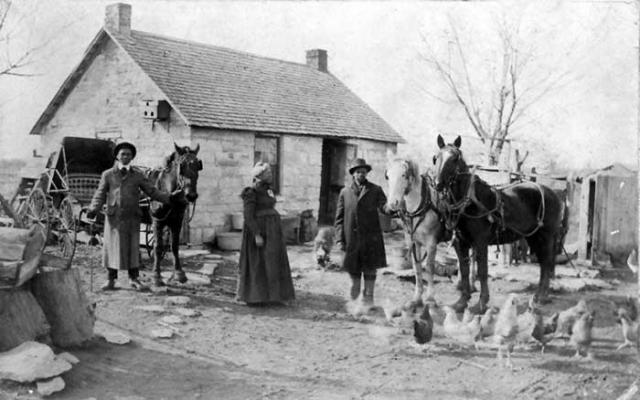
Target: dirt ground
{"points": [[314, 349]]}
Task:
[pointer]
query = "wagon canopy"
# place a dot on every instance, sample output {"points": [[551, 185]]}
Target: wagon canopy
{"points": [[86, 155]]}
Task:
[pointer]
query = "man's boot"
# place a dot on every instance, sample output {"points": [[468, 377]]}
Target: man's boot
{"points": [[369, 284], [355, 286]]}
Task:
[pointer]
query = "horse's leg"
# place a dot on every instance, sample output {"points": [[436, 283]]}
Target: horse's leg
{"points": [[481, 254], [179, 274], [544, 251], [462, 251], [414, 251], [431, 246], [157, 252]]}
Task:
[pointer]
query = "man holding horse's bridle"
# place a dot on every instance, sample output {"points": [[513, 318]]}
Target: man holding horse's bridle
{"points": [[358, 231], [119, 189]]}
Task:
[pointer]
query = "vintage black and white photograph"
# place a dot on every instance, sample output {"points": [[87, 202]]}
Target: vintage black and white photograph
{"points": [[319, 199]]}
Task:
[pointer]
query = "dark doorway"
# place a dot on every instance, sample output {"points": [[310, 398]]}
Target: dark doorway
{"points": [[335, 156], [590, 215]]}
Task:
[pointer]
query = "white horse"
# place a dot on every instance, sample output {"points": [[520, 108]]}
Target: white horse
{"points": [[412, 197]]}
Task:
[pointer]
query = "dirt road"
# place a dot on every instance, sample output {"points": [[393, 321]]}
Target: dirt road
{"points": [[316, 350]]}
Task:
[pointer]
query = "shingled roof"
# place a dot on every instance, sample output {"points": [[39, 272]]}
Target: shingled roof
{"points": [[216, 87]]}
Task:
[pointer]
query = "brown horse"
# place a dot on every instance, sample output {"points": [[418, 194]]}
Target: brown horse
{"points": [[412, 197], [180, 173], [482, 215]]}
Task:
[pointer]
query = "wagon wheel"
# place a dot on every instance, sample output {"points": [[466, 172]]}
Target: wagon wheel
{"points": [[150, 240], [35, 210], [63, 233]]}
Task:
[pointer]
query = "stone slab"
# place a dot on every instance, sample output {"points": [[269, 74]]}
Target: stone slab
{"points": [[172, 319], [177, 300], [154, 308], [162, 333], [47, 388], [31, 361], [187, 312]]}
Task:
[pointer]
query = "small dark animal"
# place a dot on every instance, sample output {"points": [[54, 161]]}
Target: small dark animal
{"points": [[423, 327], [322, 246]]}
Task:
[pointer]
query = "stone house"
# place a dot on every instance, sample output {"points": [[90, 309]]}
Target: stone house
{"points": [[240, 108]]}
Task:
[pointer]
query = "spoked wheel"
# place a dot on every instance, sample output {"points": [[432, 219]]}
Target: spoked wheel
{"points": [[63, 233], [150, 240], [35, 210]]}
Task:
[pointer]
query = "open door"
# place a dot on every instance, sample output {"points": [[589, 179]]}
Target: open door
{"points": [[336, 156]]}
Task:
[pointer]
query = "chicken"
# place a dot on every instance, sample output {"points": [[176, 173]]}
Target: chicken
{"points": [[531, 326], [467, 316], [629, 329], [391, 311], [581, 336], [466, 333], [506, 328], [550, 323], [568, 317], [488, 322], [323, 244], [423, 327], [631, 305]]}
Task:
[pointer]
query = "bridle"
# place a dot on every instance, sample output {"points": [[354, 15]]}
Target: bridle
{"points": [[180, 178], [455, 208]]}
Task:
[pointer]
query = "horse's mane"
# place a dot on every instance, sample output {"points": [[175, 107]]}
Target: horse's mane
{"points": [[169, 159]]}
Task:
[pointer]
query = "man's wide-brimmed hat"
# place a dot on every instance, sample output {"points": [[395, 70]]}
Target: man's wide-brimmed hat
{"points": [[359, 163], [124, 145]]}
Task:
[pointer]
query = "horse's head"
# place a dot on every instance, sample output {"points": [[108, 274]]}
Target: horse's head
{"points": [[448, 163], [188, 166], [401, 175]]}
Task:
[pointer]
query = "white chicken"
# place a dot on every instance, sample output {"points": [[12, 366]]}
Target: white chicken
{"points": [[506, 328]]}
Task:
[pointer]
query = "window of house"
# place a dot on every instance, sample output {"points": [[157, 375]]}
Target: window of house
{"points": [[267, 149]]}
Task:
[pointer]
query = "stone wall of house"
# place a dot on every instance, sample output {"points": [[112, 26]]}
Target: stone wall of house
{"points": [[377, 155], [108, 102], [300, 174], [227, 162]]}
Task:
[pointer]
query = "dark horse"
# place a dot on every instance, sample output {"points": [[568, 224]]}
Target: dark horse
{"points": [[180, 173], [482, 215]]}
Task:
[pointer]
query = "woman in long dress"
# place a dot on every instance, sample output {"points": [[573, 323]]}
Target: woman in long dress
{"points": [[264, 273]]}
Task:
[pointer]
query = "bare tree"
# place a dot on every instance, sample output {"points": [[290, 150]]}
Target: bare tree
{"points": [[497, 101], [24, 38]]}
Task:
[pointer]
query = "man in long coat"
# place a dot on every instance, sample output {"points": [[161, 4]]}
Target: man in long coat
{"points": [[358, 230], [119, 189]]}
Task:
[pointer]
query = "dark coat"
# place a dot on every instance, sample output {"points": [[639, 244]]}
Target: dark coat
{"points": [[121, 194], [264, 274], [357, 225]]}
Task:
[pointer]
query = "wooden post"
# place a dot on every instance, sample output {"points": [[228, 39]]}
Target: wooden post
{"points": [[65, 305]]}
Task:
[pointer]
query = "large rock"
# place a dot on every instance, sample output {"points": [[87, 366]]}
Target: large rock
{"points": [[31, 361]]}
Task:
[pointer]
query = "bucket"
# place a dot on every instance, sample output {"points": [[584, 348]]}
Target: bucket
{"points": [[237, 221], [229, 241]]}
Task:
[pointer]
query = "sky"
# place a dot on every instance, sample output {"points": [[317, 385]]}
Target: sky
{"points": [[377, 49]]}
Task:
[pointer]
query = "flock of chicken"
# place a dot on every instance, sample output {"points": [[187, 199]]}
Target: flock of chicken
{"points": [[506, 328]]}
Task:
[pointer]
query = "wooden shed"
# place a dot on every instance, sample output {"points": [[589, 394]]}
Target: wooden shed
{"points": [[608, 214]]}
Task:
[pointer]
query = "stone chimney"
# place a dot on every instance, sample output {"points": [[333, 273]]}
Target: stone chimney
{"points": [[117, 18], [317, 59]]}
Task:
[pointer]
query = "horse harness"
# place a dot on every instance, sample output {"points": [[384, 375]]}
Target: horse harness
{"points": [[453, 210], [412, 220]]}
